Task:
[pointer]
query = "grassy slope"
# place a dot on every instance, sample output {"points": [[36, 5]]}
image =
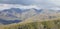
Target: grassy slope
{"points": [[54, 24], [39, 23], [43, 24]]}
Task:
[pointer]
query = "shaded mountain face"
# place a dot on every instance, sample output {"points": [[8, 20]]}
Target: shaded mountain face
{"points": [[15, 15], [9, 22]]}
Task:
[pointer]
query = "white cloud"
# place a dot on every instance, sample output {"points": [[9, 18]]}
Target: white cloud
{"points": [[49, 4], [55, 2], [55, 8], [8, 6]]}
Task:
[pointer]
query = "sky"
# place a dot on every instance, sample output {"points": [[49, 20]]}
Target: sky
{"points": [[48, 4], [8, 6]]}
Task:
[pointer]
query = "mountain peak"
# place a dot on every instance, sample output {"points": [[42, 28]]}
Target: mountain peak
{"points": [[13, 9]]}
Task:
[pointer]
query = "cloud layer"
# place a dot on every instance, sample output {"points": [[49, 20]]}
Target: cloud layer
{"points": [[8, 6], [49, 4]]}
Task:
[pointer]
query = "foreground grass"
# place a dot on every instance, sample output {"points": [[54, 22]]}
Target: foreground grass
{"points": [[54, 24]]}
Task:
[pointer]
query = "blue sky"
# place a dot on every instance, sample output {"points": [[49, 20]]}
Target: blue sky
{"points": [[28, 2], [50, 4]]}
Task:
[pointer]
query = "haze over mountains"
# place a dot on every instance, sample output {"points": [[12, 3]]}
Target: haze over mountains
{"points": [[16, 14], [11, 15]]}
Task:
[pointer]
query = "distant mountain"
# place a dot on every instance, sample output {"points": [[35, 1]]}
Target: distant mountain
{"points": [[22, 14], [19, 13]]}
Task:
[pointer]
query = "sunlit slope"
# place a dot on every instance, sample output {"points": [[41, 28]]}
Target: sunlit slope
{"points": [[52, 24], [41, 17], [36, 21]]}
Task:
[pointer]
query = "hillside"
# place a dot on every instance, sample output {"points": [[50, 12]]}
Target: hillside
{"points": [[50, 24], [37, 22]]}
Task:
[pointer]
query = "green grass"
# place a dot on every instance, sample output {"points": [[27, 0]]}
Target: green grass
{"points": [[55, 24]]}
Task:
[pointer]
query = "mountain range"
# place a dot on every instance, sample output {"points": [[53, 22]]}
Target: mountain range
{"points": [[15, 15]]}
